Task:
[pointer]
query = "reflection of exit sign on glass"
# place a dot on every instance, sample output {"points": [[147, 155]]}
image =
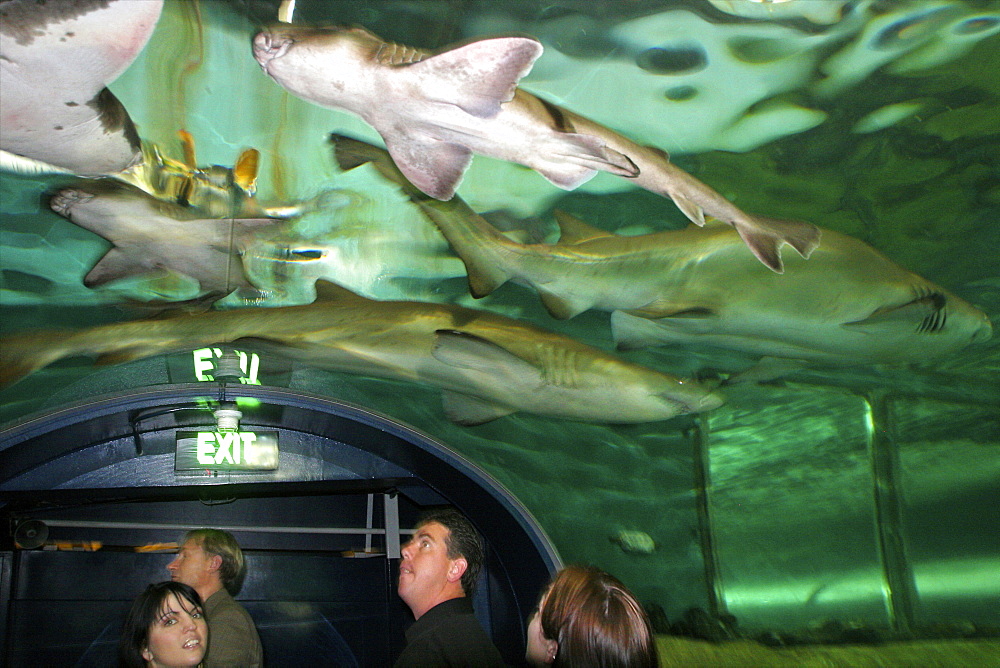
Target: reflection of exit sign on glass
{"points": [[255, 368], [226, 451], [206, 358]]}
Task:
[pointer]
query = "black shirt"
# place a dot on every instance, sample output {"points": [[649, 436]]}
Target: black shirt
{"points": [[448, 635]]}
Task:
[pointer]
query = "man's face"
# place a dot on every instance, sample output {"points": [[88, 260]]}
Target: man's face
{"points": [[192, 565], [425, 571]]}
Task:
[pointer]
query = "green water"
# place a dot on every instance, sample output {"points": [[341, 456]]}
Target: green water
{"points": [[873, 119]]}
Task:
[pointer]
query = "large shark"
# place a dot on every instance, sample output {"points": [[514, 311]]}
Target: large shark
{"points": [[149, 235], [487, 365], [848, 304], [434, 110], [56, 59]]}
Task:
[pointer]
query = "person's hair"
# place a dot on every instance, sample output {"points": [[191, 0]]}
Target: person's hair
{"points": [[143, 614], [596, 621], [222, 543], [463, 541]]}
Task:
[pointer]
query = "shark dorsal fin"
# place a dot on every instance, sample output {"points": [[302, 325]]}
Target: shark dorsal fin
{"points": [[477, 77], [331, 292], [573, 230]]}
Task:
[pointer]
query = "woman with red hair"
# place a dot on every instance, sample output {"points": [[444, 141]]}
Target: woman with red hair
{"points": [[587, 617]]}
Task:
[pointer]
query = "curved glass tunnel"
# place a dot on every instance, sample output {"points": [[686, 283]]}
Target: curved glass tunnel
{"points": [[848, 497]]}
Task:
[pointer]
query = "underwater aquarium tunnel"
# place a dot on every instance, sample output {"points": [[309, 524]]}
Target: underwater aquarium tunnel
{"points": [[703, 293], [95, 496]]}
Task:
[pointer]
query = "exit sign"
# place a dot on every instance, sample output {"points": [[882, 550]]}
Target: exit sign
{"points": [[232, 451]]}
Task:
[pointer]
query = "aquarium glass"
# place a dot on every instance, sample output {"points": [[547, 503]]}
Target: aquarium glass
{"points": [[823, 460]]}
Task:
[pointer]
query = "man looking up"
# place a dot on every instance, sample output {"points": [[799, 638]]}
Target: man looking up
{"points": [[437, 575], [211, 561]]}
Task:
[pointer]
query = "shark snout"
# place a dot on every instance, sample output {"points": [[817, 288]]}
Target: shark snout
{"points": [[268, 46], [708, 401]]}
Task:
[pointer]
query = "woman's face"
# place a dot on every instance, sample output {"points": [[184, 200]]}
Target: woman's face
{"points": [[541, 651], [179, 637]]}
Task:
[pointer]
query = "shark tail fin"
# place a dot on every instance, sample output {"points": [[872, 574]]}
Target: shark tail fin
{"points": [[474, 240], [764, 237], [480, 76], [23, 354]]}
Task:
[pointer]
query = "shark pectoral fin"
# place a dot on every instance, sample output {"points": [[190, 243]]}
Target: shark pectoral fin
{"points": [[435, 167], [328, 291], [561, 307], [572, 230], [113, 266], [923, 314], [477, 77], [468, 351], [767, 369], [632, 332], [469, 411], [634, 329]]}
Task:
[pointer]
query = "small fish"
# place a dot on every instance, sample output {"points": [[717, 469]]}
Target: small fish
{"points": [[434, 110], [150, 235], [634, 542], [56, 60], [215, 190], [487, 365]]}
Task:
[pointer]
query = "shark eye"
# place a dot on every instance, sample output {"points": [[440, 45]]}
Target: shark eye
{"points": [[307, 254]]}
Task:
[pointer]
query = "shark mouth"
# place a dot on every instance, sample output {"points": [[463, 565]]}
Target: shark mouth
{"points": [[267, 47]]}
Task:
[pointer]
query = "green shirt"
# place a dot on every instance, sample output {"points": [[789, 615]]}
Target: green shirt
{"points": [[232, 637]]}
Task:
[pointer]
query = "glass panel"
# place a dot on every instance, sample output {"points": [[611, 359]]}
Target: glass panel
{"points": [[791, 506], [950, 475]]}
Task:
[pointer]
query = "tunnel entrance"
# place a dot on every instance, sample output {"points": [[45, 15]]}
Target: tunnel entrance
{"points": [[93, 494]]}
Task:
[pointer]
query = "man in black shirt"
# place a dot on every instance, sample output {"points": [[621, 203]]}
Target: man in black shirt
{"points": [[437, 574]]}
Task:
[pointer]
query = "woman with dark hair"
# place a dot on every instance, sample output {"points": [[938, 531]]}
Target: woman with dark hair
{"points": [[587, 617], [165, 627]]}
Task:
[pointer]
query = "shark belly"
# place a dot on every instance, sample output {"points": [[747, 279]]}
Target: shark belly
{"points": [[53, 71]]}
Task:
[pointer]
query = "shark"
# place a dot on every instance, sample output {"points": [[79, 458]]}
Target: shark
{"points": [[152, 235], [487, 365], [434, 110], [847, 305], [56, 60]]}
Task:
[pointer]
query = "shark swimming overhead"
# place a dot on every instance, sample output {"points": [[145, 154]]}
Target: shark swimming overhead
{"points": [[56, 60], [151, 235], [848, 304], [487, 365], [434, 110]]}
